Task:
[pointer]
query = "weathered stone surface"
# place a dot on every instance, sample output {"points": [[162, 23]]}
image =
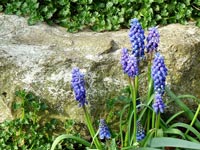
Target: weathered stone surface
{"points": [[5, 113], [40, 58], [181, 47]]}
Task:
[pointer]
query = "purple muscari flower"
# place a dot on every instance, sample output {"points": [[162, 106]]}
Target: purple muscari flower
{"points": [[104, 132], [78, 85], [124, 59], [159, 73], [132, 67], [137, 38], [158, 105], [140, 135], [153, 40]]}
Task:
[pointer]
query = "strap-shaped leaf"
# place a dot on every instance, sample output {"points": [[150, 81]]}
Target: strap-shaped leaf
{"points": [[68, 136], [173, 142]]}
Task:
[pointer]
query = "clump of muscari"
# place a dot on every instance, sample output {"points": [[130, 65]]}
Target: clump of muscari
{"points": [[157, 71], [129, 64], [131, 130]]}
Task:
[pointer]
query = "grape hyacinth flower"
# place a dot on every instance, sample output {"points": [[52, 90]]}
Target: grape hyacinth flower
{"points": [[153, 40], [158, 105], [137, 38], [124, 59], [78, 85], [159, 73], [104, 132], [140, 135], [132, 67]]}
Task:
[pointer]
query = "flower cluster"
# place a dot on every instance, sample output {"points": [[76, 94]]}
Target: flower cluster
{"points": [[104, 132], [140, 135], [78, 85], [153, 40], [159, 73], [137, 38], [129, 64], [124, 59], [132, 66], [158, 105]]}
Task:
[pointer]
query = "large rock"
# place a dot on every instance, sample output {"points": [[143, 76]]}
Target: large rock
{"points": [[40, 59]]}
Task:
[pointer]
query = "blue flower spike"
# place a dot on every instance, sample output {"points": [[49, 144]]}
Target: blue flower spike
{"points": [[78, 86], [137, 38], [153, 40], [124, 59], [159, 73], [140, 135], [104, 132], [132, 67], [158, 105]]}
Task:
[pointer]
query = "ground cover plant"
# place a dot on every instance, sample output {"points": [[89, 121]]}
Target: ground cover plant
{"points": [[141, 125], [30, 130], [103, 15]]}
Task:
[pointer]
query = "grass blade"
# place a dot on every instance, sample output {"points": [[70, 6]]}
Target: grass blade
{"points": [[149, 135], [175, 131], [192, 139], [68, 136], [190, 96], [190, 128], [188, 112], [174, 116], [120, 126]]}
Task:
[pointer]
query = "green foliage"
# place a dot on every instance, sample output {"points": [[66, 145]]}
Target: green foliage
{"points": [[196, 11], [172, 142], [103, 15], [31, 129], [68, 136], [1, 8], [168, 127]]}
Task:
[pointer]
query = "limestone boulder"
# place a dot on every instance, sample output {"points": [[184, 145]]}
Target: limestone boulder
{"points": [[180, 45], [40, 59]]}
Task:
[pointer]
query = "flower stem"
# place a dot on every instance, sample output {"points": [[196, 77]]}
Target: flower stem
{"points": [[157, 122], [128, 132], [150, 92], [91, 129], [134, 97], [153, 120]]}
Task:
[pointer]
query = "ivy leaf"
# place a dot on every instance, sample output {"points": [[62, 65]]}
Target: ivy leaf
{"points": [[62, 2], [109, 5], [158, 17], [198, 23]]}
